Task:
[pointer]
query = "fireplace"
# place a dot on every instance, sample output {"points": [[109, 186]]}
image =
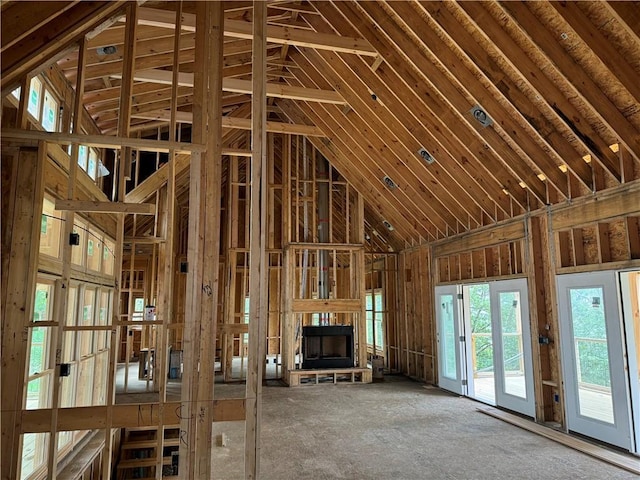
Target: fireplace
{"points": [[327, 347]]}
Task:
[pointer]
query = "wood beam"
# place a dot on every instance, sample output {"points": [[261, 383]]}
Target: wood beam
{"points": [[22, 233], [481, 238], [35, 50], [414, 112], [238, 123], [258, 278], [105, 207], [236, 85], [102, 141], [606, 51], [531, 73], [408, 31], [598, 208], [125, 416], [280, 35], [19, 19]]}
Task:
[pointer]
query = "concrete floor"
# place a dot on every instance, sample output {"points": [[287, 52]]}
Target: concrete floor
{"points": [[397, 429]]}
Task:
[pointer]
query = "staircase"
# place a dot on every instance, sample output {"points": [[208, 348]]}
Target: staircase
{"points": [[139, 450]]}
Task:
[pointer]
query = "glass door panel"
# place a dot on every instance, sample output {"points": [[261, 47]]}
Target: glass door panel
{"points": [[449, 345], [512, 348], [479, 328], [591, 353], [512, 337]]}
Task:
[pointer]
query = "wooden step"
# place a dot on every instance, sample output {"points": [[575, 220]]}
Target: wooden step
{"points": [[152, 443], [142, 462]]}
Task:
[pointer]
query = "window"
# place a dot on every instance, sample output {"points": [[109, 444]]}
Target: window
{"points": [[34, 453], [138, 309], [35, 96], [49, 112], [108, 260], [77, 251], [16, 93], [94, 250], [374, 301], [93, 164], [50, 229], [42, 310], [39, 375], [83, 155]]}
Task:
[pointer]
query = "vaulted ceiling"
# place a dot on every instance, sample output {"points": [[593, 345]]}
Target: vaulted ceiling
{"points": [[515, 105]]}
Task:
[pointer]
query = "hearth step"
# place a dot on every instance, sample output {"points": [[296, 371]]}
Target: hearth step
{"points": [[332, 376]]}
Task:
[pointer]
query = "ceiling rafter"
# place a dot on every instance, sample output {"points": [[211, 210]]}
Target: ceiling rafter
{"points": [[281, 35], [442, 110], [583, 86], [20, 20], [398, 142], [397, 102], [498, 95], [598, 44], [363, 144], [49, 41], [406, 27], [346, 158], [541, 88]]}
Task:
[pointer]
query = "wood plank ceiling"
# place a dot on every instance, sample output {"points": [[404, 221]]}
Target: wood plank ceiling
{"points": [[557, 82]]}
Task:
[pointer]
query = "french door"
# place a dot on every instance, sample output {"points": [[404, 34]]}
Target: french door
{"points": [[450, 339], [593, 357], [484, 343], [512, 346]]}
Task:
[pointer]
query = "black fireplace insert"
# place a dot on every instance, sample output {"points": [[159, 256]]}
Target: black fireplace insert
{"points": [[327, 347]]}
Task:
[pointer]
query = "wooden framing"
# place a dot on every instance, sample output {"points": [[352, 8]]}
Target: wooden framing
{"points": [[257, 246], [21, 268], [241, 117]]}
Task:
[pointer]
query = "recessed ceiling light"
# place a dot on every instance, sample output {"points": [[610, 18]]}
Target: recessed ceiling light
{"points": [[388, 225], [426, 156], [388, 181], [481, 116], [106, 50]]}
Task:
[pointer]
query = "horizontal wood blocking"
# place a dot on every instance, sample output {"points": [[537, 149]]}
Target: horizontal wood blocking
{"points": [[326, 306], [125, 416]]}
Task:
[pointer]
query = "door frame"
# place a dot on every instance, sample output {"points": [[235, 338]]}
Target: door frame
{"points": [[457, 385], [631, 333]]}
